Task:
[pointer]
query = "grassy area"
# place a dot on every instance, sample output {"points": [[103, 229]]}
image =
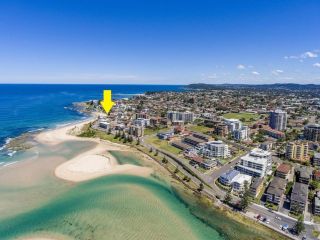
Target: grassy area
{"points": [[247, 117], [272, 206], [151, 131], [163, 144], [199, 128], [258, 198]]}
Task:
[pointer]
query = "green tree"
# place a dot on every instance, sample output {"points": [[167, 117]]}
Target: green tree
{"points": [[314, 184], [164, 160], [299, 227], [138, 141], [157, 152], [228, 197], [200, 188], [150, 150], [245, 200]]}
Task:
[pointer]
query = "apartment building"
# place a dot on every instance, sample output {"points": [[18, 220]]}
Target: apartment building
{"points": [[299, 197], [312, 132], [275, 190], [215, 149], [239, 181], [241, 134], [257, 163], [316, 160], [233, 124], [256, 187], [278, 120], [284, 171], [298, 151], [185, 117], [227, 177]]}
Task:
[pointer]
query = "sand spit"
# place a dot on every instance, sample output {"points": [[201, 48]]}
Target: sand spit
{"points": [[90, 164]]}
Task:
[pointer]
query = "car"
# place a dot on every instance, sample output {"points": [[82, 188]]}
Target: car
{"points": [[258, 216], [278, 218], [267, 221]]}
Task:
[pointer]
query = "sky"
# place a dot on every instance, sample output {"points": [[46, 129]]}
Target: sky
{"points": [[160, 41]]}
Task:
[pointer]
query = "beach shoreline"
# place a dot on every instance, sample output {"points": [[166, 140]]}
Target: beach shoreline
{"points": [[91, 164]]}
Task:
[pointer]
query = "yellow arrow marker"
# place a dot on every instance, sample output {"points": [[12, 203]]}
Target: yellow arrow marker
{"points": [[107, 103]]}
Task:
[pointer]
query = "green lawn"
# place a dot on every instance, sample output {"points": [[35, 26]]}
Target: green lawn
{"points": [[149, 131], [198, 128], [163, 144], [249, 117]]}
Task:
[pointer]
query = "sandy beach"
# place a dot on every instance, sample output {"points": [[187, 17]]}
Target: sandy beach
{"points": [[90, 164]]}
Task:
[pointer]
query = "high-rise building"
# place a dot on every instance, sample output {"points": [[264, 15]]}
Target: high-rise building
{"points": [[215, 149], [298, 151], [233, 124], [257, 163], [186, 117], [312, 132], [278, 120], [241, 134]]}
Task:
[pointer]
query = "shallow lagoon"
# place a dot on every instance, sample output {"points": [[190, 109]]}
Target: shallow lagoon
{"points": [[111, 207]]}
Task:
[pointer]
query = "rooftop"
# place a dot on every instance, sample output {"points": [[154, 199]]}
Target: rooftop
{"points": [[230, 174], [277, 186], [299, 192], [241, 178], [284, 168]]}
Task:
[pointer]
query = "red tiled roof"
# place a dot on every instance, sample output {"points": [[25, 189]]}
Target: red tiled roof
{"points": [[284, 168]]}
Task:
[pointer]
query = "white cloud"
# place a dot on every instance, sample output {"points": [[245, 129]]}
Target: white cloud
{"points": [[277, 72], [309, 55], [317, 65], [241, 67], [304, 55], [255, 73]]}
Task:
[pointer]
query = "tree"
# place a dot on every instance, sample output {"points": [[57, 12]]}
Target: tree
{"points": [[314, 184], [200, 187], [228, 197], [156, 154], [138, 141], [123, 135], [299, 227], [109, 131], [150, 150], [164, 160], [245, 200]]}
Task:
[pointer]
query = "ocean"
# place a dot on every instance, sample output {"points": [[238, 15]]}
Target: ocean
{"points": [[28, 108]]}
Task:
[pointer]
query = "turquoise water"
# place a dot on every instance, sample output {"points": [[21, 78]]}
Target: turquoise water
{"points": [[113, 207]]}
